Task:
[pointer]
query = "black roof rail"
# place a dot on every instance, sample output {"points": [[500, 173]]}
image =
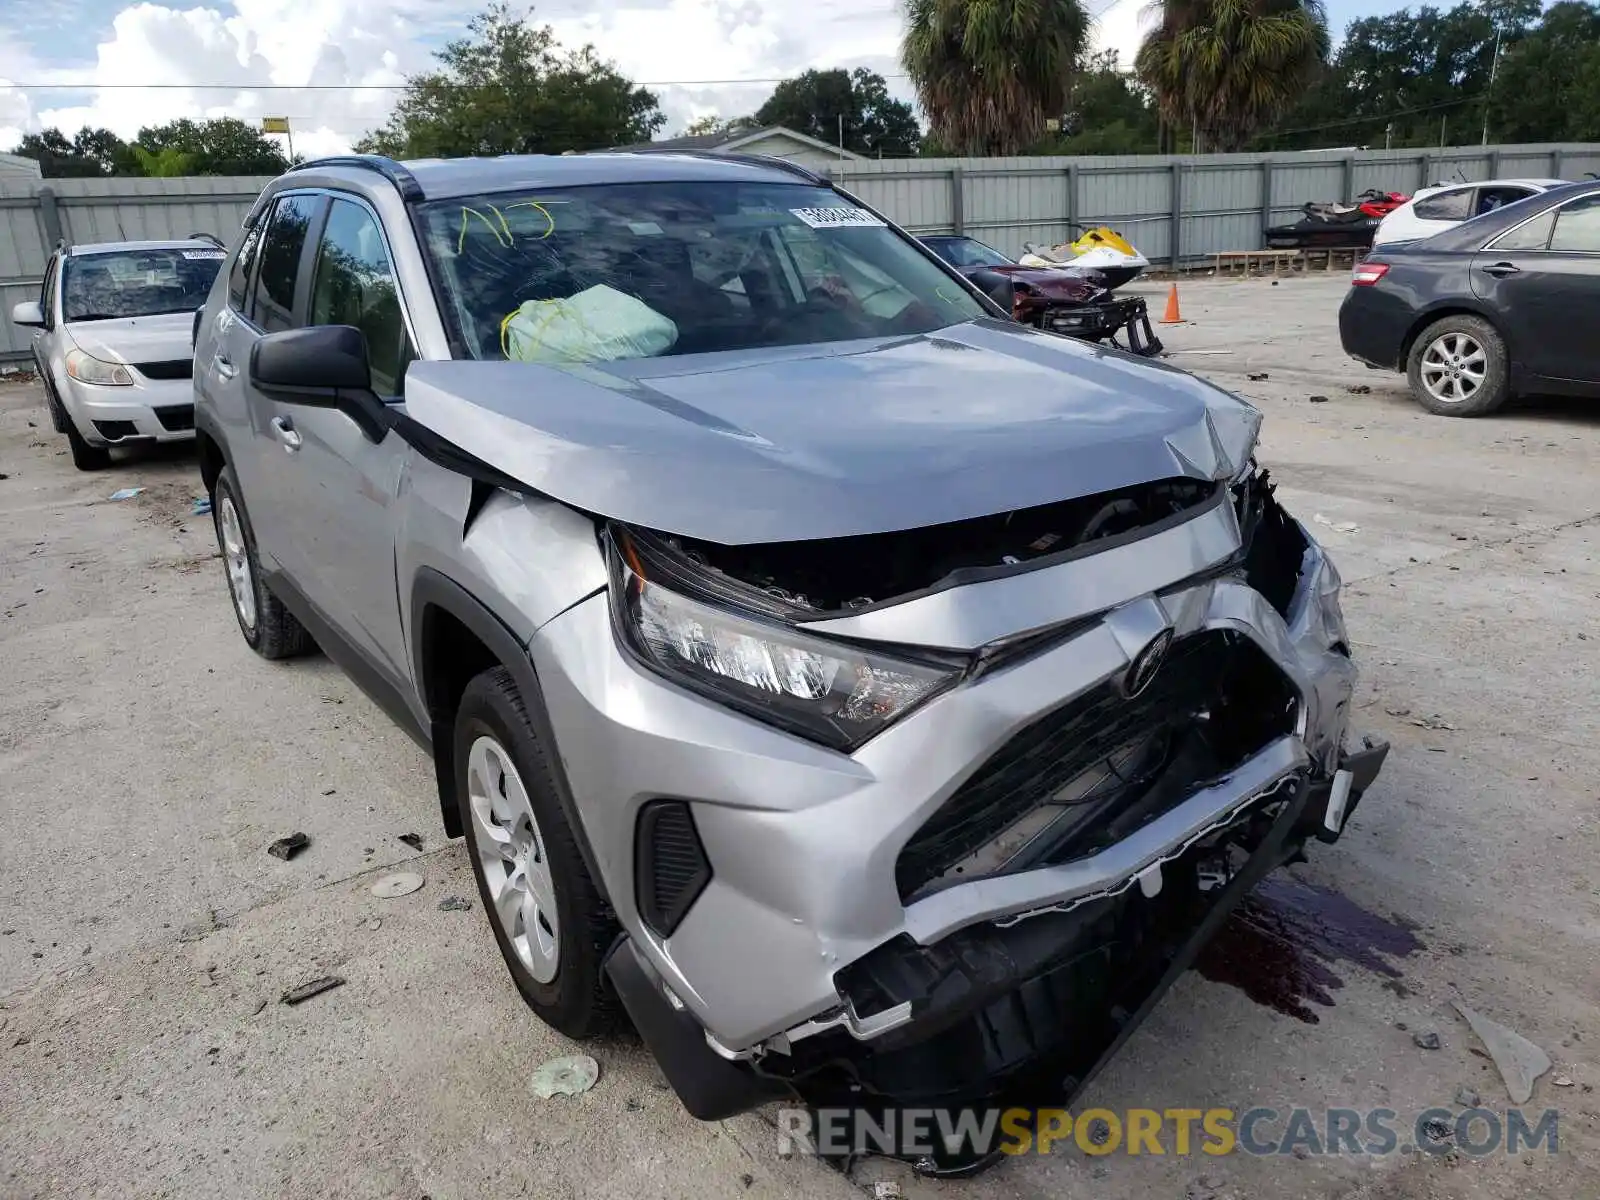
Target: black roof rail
{"points": [[404, 181], [787, 165], [207, 237]]}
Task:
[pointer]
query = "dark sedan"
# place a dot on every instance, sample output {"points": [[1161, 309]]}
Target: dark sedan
{"points": [[1074, 303], [1506, 303]]}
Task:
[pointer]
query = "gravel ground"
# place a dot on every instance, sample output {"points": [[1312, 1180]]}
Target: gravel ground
{"points": [[146, 937]]}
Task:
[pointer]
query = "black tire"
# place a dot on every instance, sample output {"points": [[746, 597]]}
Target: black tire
{"points": [[1495, 389], [577, 1001], [84, 456], [277, 632]]}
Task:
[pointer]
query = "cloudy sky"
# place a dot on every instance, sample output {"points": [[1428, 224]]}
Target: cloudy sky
{"points": [[330, 65]]}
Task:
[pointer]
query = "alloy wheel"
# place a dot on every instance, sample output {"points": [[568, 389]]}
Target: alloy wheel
{"points": [[241, 581], [511, 852], [1453, 367]]}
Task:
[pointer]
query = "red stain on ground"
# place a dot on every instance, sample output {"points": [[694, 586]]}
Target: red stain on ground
{"points": [[1281, 944]]}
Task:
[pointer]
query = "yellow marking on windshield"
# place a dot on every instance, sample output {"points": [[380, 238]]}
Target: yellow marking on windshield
{"points": [[461, 241], [550, 222]]}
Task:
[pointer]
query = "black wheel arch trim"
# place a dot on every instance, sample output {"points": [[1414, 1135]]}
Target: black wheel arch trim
{"points": [[433, 589]]}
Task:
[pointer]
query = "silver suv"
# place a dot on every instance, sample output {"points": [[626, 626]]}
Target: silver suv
{"points": [[881, 699], [112, 341]]}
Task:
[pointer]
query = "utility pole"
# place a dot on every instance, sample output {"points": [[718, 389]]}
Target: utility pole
{"points": [[1488, 96], [1388, 135]]}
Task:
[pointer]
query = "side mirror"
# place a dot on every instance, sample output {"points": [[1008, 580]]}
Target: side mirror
{"points": [[28, 313], [324, 365], [311, 365]]}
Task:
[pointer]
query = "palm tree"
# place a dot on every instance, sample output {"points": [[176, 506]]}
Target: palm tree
{"points": [[989, 73], [1226, 68]]}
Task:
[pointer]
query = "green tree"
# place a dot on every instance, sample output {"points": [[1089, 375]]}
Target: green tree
{"points": [[223, 146], [852, 105], [1548, 86], [1227, 68], [1108, 111], [509, 88], [92, 152], [162, 164], [991, 73], [1409, 77]]}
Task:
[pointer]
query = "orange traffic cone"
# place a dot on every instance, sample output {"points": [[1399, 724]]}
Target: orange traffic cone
{"points": [[1172, 317]]}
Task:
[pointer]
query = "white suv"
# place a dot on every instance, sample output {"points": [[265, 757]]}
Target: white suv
{"points": [[1434, 209], [113, 340]]}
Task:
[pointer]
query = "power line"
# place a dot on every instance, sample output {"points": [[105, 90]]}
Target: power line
{"points": [[1399, 112], [353, 87]]}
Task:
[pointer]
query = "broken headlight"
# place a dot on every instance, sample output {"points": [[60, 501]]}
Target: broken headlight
{"points": [[822, 690]]}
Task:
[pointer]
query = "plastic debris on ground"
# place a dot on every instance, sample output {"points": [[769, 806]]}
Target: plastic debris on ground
{"points": [[1338, 526], [569, 1076], [599, 324], [1257, 376], [401, 883], [1519, 1060], [202, 506], [298, 995], [126, 493], [1319, 399], [454, 904], [414, 840], [287, 847]]}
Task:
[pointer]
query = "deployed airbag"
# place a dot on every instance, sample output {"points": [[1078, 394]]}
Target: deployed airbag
{"points": [[599, 324]]}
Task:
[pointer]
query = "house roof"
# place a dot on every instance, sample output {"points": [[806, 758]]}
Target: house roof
{"points": [[732, 140]]}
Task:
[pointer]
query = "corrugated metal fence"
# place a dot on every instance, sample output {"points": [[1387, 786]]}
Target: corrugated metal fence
{"points": [[1177, 210], [35, 214]]}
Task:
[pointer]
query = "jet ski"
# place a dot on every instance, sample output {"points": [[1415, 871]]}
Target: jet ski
{"points": [[1329, 224], [1099, 249]]}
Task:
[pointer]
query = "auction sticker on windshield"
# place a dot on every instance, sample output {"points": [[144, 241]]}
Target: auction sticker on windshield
{"points": [[204, 254], [835, 218]]}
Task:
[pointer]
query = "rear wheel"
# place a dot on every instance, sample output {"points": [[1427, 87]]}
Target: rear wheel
{"points": [[269, 628], [1458, 367]]}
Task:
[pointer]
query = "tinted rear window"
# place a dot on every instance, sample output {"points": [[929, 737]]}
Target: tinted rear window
{"points": [[281, 248], [137, 283]]}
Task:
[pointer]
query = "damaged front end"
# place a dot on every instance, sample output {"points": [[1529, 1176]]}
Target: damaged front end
{"points": [[1077, 734]]}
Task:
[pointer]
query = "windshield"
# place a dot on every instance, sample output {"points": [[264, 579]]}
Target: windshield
{"points": [[967, 252], [621, 271], [137, 283]]}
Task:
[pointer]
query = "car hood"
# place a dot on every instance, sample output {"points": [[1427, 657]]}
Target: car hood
{"points": [[838, 439], [135, 339]]}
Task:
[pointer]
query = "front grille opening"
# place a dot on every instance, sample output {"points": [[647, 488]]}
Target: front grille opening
{"points": [[176, 417], [1100, 767], [829, 574], [115, 431], [171, 368], [670, 865]]}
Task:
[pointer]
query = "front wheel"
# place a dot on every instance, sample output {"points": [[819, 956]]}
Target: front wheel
{"points": [[551, 924], [1458, 367], [84, 456]]}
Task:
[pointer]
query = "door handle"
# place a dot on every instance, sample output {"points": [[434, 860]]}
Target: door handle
{"points": [[1501, 269], [225, 367], [284, 430]]}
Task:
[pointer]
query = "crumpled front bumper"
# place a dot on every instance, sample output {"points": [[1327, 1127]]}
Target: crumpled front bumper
{"points": [[791, 951], [1129, 317]]}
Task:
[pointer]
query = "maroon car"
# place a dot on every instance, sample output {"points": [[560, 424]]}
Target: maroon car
{"points": [[1075, 303]]}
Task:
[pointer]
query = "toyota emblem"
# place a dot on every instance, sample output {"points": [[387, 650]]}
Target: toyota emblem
{"points": [[1142, 670]]}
